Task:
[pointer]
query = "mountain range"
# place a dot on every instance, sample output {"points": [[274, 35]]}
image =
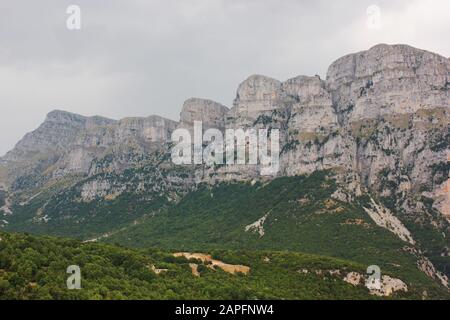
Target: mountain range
{"points": [[364, 169]]}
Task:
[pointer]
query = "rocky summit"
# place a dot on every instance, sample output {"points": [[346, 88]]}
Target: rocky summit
{"points": [[379, 123]]}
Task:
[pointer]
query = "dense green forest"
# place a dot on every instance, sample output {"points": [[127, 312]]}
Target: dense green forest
{"points": [[35, 268], [300, 216]]}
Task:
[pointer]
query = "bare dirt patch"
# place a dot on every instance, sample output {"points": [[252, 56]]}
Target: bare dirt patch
{"points": [[212, 263]]}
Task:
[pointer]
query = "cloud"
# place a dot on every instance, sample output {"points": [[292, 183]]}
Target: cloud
{"points": [[142, 57]]}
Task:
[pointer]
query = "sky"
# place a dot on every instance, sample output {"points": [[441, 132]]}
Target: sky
{"points": [[145, 57]]}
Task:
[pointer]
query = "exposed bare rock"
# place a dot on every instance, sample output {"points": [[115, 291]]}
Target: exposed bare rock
{"points": [[56, 133], [354, 278], [428, 268], [387, 285], [156, 270], [5, 201], [67, 143], [255, 96], [258, 226], [210, 113], [194, 269], [389, 79], [442, 198], [212, 263], [94, 189], [383, 217], [311, 105], [341, 195]]}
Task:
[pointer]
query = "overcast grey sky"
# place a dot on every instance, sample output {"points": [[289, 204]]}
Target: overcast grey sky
{"points": [[143, 57]]}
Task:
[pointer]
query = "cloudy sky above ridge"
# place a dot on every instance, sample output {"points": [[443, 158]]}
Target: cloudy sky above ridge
{"points": [[143, 57]]}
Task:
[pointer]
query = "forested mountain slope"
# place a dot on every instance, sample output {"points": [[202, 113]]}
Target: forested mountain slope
{"points": [[35, 268]]}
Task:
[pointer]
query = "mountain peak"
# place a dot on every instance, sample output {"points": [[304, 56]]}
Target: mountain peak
{"points": [[211, 113], [63, 116], [384, 61], [58, 114], [257, 85]]}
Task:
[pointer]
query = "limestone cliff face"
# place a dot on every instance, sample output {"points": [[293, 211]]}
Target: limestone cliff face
{"points": [[393, 104], [57, 131], [210, 113], [381, 116], [389, 79], [255, 96], [129, 136], [67, 143]]}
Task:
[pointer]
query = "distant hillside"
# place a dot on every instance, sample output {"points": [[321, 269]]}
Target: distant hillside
{"points": [[35, 268]]}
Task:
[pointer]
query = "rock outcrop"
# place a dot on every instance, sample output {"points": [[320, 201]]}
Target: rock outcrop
{"points": [[387, 286], [255, 96], [210, 113], [389, 80], [67, 143]]}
